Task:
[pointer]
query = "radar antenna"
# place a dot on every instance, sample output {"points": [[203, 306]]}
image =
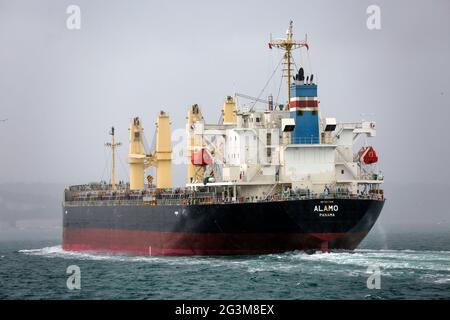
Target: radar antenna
{"points": [[288, 45]]}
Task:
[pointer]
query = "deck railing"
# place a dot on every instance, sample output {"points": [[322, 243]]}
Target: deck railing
{"points": [[189, 197]]}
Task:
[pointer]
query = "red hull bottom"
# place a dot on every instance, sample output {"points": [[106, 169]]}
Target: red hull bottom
{"points": [[146, 243]]}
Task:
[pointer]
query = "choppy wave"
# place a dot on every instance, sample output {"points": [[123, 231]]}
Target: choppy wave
{"points": [[287, 275]]}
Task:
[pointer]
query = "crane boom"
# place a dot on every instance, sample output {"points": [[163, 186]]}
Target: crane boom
{"points": [[251, 98]]}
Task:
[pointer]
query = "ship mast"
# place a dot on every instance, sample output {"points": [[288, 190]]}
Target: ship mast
{"points": [[113, 145], [288, 45]]}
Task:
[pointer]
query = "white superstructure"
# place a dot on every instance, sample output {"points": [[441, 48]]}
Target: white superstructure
{"points": [[283, 148], [256, 154]]}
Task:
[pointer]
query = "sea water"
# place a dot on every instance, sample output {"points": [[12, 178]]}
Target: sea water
{"points": [[386, 266]]}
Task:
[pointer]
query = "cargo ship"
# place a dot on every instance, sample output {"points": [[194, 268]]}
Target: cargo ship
{"points": [[268, 179]]}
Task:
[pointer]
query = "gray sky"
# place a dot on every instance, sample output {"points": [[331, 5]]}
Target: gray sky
{"points": [[62, 89]]}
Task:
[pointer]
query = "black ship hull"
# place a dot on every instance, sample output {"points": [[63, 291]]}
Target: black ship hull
{"points": [[220, 229]]}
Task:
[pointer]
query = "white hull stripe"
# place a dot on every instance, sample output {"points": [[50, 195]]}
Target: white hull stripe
{"points": [[303, 99], [302, 109]]}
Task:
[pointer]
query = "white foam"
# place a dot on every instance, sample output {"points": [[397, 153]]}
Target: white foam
{"points": [[390, 261], [442, 280], [385, 259], [58, 252], [43, 251]]}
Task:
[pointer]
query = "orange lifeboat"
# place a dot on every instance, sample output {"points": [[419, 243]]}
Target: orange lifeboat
{"points": [[367, 155], [201, 157]]}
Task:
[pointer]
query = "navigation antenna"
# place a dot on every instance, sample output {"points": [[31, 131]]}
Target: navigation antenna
{"points": [[288, 45], [113, 145]]}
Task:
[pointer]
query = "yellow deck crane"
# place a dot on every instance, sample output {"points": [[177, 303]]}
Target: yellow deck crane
{"points": [[194, 143], [197, 154], [160, 158]]}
